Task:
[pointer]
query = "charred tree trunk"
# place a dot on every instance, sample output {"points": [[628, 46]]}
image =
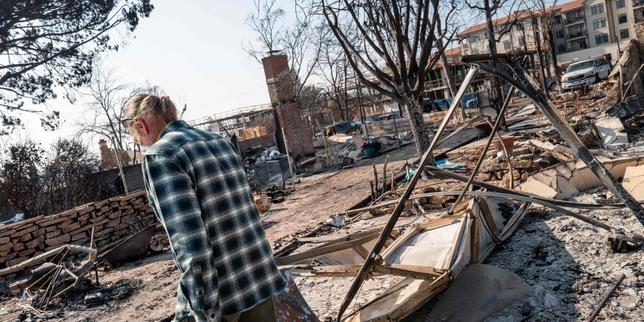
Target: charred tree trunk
{"points": [[553, 57], [420, 130], [537, 40], [496, 93], [446, 74]]}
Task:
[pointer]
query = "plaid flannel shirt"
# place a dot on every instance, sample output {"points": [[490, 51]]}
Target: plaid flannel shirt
{"points": [[199, 192]]}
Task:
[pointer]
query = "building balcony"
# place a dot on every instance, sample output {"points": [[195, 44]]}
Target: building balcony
{"points": [[575, 19], [577, 35], [638, 3], [434, 84]]}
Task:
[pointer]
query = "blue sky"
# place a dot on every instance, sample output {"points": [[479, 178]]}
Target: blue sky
{"points": [[193, 50]]}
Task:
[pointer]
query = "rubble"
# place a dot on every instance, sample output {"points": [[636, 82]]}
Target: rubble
{"points": [[611, 132], [567, 179], [634, 181], [526, 222]]}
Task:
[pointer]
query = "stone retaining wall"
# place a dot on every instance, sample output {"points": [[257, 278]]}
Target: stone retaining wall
{"points": [[113, 219]]}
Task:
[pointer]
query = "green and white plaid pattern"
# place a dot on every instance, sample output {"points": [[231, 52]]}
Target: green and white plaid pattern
{"points": [[199, 192]]}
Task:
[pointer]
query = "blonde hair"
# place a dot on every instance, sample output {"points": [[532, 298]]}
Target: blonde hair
{"points": [[143, 104]]}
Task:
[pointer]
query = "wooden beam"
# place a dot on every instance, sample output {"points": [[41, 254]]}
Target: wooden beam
{"points": [[44, 256], [294, 258], [413, 271]]}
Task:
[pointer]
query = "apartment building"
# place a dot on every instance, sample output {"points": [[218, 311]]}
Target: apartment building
{"points": [[517, 34], [581, 29]]}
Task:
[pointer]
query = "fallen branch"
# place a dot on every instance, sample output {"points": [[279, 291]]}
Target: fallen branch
{"points": [[42, 257]]}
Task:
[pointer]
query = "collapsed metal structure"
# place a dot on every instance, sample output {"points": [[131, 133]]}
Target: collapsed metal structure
{"points": [[516, 76]]}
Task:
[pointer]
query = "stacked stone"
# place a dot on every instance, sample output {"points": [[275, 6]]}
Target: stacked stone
{"points": [[113, 219]]}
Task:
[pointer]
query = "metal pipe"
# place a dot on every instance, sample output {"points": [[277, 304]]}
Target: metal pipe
{"points": [[118, 163]]}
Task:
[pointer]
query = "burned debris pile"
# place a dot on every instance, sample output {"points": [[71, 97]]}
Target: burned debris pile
{"points": [[426, 229], [531, 212]]}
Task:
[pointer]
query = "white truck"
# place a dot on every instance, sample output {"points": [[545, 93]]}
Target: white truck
{"points": [[584, 73]]}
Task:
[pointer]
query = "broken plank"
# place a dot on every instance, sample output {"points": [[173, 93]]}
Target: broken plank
{"points": [[294, 258], [414, 271]]}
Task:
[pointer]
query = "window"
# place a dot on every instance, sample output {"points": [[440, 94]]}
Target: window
{"points": [[622, 18], [578, 32], [597, 8], [521, 41], [599, 23], [562, 48], [474, 39], [557, 20], [620, 3], [507, 44], [474, 51], [601, 39], [623, 34], [560, 34]]}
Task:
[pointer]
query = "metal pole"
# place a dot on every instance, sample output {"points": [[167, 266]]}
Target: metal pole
{"points": [[118, 164], [288, 157]]}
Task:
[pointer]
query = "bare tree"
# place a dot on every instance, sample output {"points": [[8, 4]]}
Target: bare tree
{"points": [[104, 109], [490, 9], [265, 23], [333, 71], [393, 50], [311, 102], [445, 62], [536, 32], [301, 40], [546, 13], [67, 176]]}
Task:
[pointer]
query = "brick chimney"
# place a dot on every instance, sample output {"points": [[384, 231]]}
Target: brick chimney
{"points": [[286, 109]]}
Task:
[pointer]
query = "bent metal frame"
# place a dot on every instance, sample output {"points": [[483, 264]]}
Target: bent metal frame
{"points": [[508, 69]]}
